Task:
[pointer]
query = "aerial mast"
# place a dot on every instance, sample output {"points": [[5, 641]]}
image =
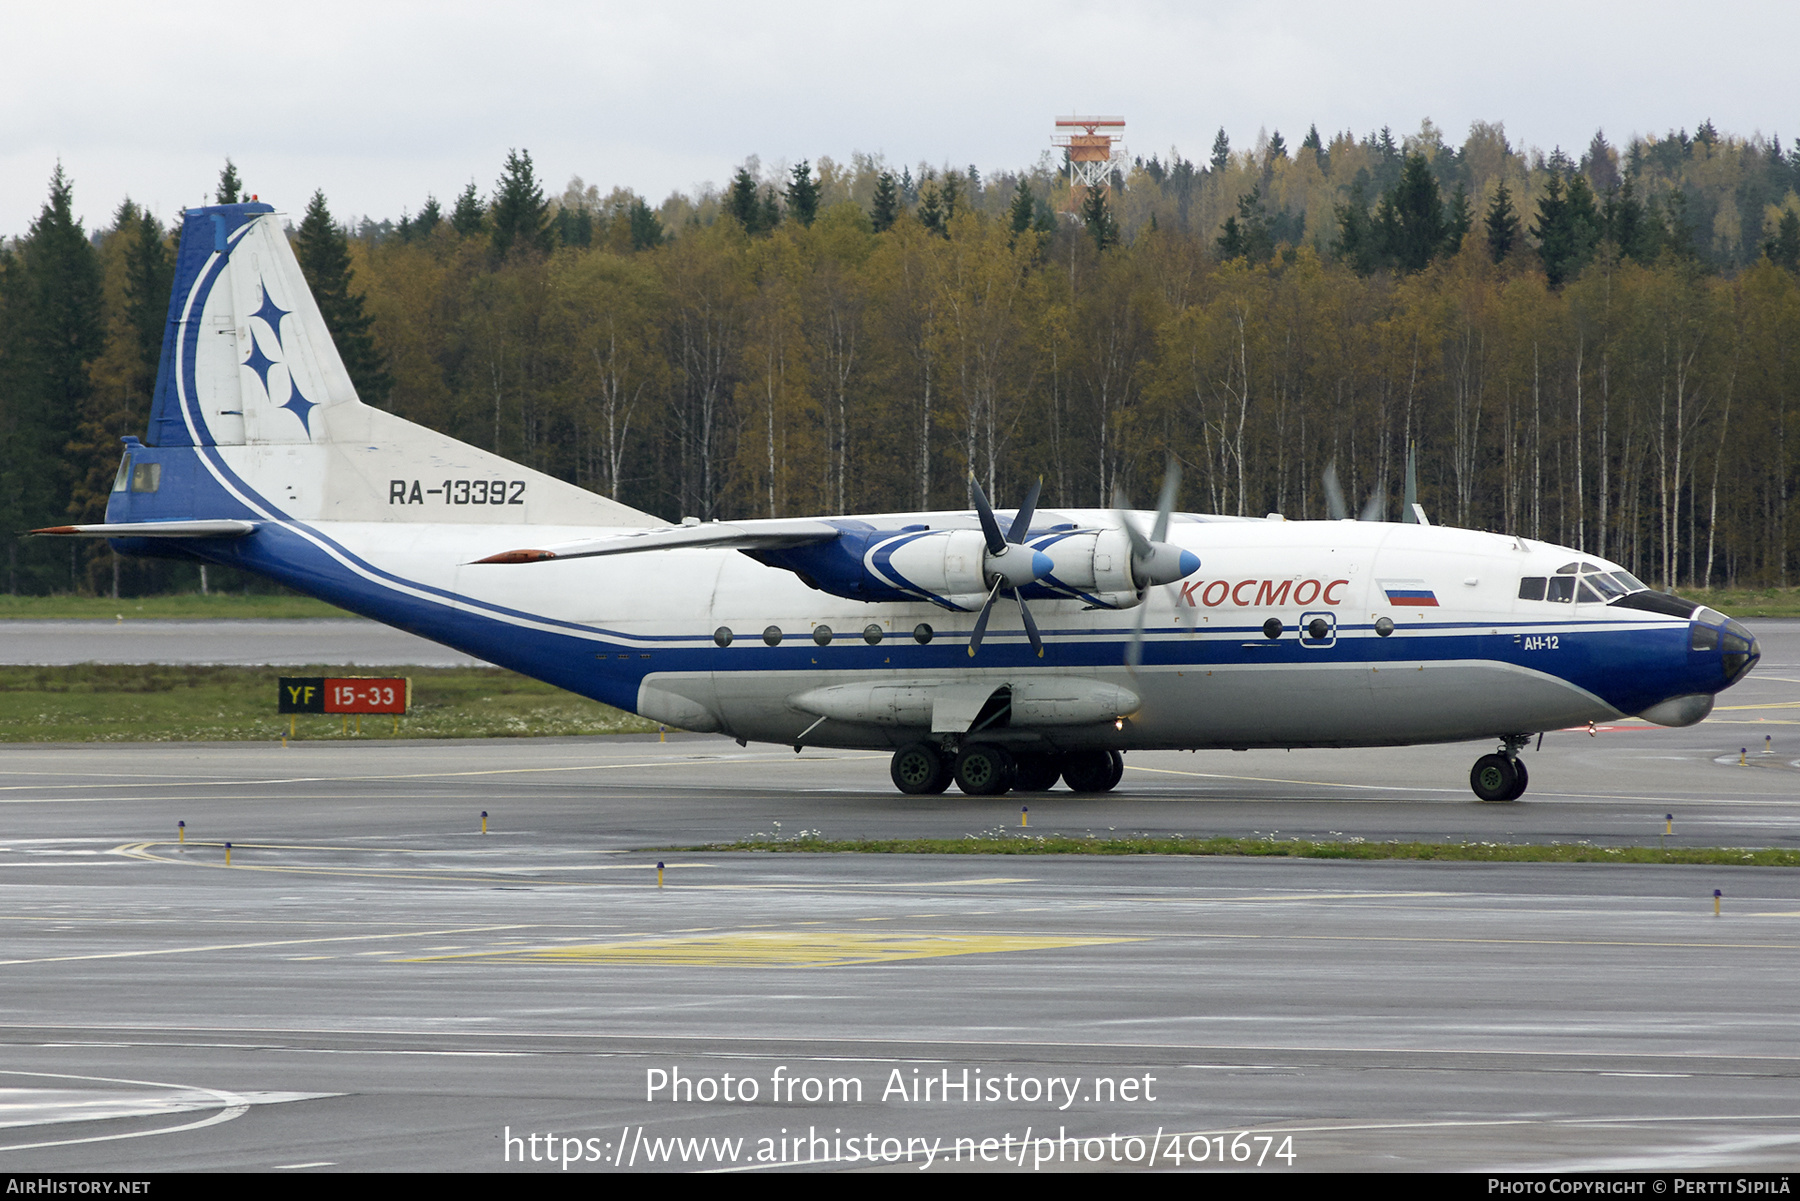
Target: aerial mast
{"points": [[1093, 147]]}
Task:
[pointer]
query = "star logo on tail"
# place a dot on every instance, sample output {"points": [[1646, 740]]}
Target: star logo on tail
{"points": [[270, 314]]}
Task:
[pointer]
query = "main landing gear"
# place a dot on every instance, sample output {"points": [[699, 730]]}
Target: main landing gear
{"points": [[983, 769], [1502, 775]]}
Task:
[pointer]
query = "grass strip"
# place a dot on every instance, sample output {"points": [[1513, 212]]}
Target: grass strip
{"points": [[179, 607], [90, 702], [1283, 848]]}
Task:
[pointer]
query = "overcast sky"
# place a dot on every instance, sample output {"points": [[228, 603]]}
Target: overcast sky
{"points": [[381, 103]]}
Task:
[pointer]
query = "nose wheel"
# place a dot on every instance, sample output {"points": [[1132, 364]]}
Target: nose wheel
{"points": [[1502, 775]]}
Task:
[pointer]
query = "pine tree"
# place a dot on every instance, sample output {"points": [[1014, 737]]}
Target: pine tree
{"points": [[521, 214], [1457, 221], [803, 194], [1411, 220], [1023, 210], [886, 209], [952, 192], [469, 217], [1357, 242], [421, 227], [50, 331], [931, 210], [740, 199], [1567, 228], [768, 213], [1097, 215], [1502, 223], [646, 228], [1784, 248], [1221, 151], [150, 274], [1247, 235], [230, 186], [1624, 223], [1316, 144], [324, 254], [1277, 146]]}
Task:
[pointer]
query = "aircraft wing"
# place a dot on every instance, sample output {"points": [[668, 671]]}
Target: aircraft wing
{"points": [[775, 534]]}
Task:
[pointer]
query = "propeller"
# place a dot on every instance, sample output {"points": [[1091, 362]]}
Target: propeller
{"points": [[1153, 560], [1335, 507], [1009, 563]]}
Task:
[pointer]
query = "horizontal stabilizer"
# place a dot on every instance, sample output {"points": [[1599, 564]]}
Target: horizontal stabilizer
{"points": [[222, 528], [777, 534]]}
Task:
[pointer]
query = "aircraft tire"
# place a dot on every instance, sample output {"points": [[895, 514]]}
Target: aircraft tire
{"points": [[983, 770], [1037, 771], [1092, 771], [1518, 789], [1497, 778], [919, 770]]}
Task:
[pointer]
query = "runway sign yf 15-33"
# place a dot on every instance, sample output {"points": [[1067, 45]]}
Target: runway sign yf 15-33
{"points": [[344, 694]]}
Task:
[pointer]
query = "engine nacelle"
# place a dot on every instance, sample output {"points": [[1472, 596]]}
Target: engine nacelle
{"points": [[941, 565], [1088, 565]]}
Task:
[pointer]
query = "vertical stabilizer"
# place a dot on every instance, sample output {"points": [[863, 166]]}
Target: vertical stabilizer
{"points": [[247, 358], [251, 395]]}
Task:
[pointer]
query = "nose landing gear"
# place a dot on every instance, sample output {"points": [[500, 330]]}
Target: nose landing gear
{"points": [[1502, 775]]}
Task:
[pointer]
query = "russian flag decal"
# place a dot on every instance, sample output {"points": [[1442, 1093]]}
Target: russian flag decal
{"points": [[1413, 593]]}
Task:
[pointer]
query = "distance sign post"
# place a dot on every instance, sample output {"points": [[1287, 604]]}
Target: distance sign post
{"points": [[344, 695]]}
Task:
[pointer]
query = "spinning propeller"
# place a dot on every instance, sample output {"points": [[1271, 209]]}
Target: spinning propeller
{"points": [[1153, 561], [1009, 563], [1340, 511]]}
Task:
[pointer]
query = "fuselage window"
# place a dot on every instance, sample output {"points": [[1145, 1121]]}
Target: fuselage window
{"points": [[1531, 588]]}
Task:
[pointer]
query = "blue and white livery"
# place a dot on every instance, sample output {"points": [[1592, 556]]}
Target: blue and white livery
{"points": [[874, 631]]}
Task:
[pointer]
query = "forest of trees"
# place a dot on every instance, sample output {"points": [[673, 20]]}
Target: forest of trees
{"points": [[1597, 351]]}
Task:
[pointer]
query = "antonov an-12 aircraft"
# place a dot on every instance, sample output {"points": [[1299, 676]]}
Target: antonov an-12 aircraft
{"points": [[1000, 650]]}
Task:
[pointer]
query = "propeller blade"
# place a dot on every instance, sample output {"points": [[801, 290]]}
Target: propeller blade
{"points": [[1140, 545], [1134, 650], [1031, 630], [1376, 509], [1021, 524], [1165, 504], [981, 621], [1334, 495], [990, 526]]}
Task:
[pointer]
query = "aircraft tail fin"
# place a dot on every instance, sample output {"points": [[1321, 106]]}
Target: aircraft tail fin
{"points": [[255, 415]]}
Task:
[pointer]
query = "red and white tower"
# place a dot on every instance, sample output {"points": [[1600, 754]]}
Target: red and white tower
{"points": [[1094, 146]]}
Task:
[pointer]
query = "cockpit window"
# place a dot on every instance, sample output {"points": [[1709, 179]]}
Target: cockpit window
{"points": [[1607, 584], [1586, 582]]}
